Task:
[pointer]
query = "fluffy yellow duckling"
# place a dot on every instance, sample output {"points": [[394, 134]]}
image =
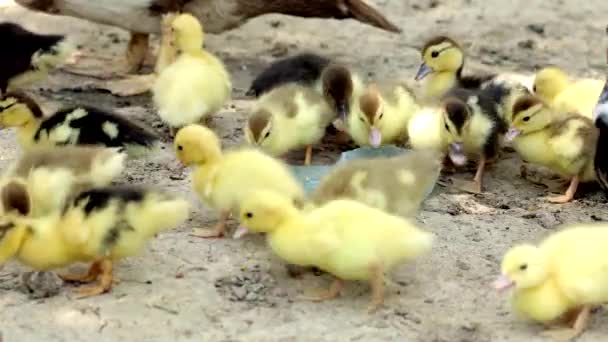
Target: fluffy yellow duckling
{"points": [[554, 87], [42, 171], [289, 117], [442, 64], [222, 180], [385, 110], [196, 84], [73, 126], [336, 238], [565, 143], [99, 226], [566, 274], [397, 185]]}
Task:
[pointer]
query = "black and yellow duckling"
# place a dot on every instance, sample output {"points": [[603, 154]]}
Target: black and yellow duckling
{"points": [[442, 63], [27, 56], [600, 115], [73, 126]]}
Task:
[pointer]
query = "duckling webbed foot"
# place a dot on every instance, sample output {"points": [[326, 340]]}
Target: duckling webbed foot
{"points": [[563, 335], [323, 295], [217, 231], [569, 195], [89, 277], [105, 283]]}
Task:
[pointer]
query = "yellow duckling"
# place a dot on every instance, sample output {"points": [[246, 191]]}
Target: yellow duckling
{"points": [[566, 274], [99, 226], [385, 111], [196, 84], [336, 238], [288, 117], [565, 143], [223, 180], [442, 64], [554, 87]]}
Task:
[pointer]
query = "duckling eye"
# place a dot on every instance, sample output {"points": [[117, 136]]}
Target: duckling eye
{"points": [[435, 54], [267, 134], [360, 118], [179, 147], [523, 267], [381, 115], [526, 119], [447, 127], [249, 215], [534, 88]]}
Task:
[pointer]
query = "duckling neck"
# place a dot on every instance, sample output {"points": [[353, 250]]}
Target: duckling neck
{"points": [[439, 83], [288, 241]]}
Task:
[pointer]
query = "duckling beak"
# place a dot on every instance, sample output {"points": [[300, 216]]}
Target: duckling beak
{"points": [[240, 232], [503, 283], [600, 113], [375, 137], [342, 109], [457, 153], [512, 133], [423, 71]]}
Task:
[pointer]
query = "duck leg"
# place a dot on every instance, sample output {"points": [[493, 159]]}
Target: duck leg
{"points": [[563, 335], [377, 284], [89, 277], [331, 293], [308, 156], [217, 231], [569, 195], [476, 185], [105, 283]]}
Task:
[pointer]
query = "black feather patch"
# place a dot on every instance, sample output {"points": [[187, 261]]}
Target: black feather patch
{"points": [[524, 103], [158, 7], [15, 197], [458, 112], [92, 132], [26, 100], [19, 45], [438, 40], [304, 68], [99, 198]]}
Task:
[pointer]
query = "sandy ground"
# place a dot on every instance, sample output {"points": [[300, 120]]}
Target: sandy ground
{"points": [[185, 288]]}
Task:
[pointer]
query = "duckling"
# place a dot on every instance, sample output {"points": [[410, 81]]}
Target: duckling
{"points": [[600, 119], [565, 143], [73, 126], [442, 64], [196, 84], [553, 86], [566, 273], [385, 110], [222, 180], [474, 128], [143, 17], [342, 89], [397, 185], [289, 117], [304, 68], [336, 238], [86, 167], [28, 57], [101, 226]]}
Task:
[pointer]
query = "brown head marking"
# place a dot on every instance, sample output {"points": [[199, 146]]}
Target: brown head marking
{"points": [[257, 122]]}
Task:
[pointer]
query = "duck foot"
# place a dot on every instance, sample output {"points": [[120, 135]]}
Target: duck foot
{"points": [[105, 284], [217, 232], [331, 293]]}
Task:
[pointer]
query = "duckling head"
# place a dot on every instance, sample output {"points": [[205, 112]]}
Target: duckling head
{"points": [[440, 54], [456, 116], [549, 82], [196, 144], [338, 89], [18, 109], [263, 211], [530, 114], [522, 267], [372, 112], [259, 127], [188, 33]]}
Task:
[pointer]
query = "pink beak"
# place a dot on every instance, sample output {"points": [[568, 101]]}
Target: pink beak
{"points": [[503, 283], [240, 232], [375, 137]]}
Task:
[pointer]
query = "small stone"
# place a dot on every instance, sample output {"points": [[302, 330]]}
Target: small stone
{"points": [[251, 297], [526, 44], [537, 28], [239, 293], [276, 23]]}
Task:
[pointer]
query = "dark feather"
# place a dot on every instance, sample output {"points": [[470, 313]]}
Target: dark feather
{"points": [[91, 132], [304, 68], [601, 156], [19, 45], [99, 198]]}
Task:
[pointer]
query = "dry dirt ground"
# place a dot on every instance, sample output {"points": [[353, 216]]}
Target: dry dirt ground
{"points": [[184, 288]]}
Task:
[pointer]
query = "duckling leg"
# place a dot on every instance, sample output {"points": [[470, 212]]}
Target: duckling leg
{"points": [[105, 284], [308, 157], [569, 195], [217, 231], [478, 180], [377, 284], [333, 292], [563, 335], [94, 271]]}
